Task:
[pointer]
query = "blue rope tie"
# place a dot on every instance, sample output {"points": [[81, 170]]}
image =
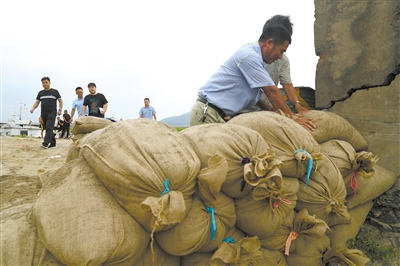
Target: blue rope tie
{"points": [[166, 190], [229, 240], [309, 166], [213, 223]]}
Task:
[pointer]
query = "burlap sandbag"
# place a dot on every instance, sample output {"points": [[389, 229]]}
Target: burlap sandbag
{"points": [[155, 256], [196, 258], [344, 256], [272, 257], [361, 190], [245, 251], [73, 153], [291, 228], [88, 124], [46, 258], [348, 160], [343, 232], [232, 251], [194, 233], [148, 167], [210, 207], [19, 241], [292, 144], [80, 223], [248, 155], [278, 239], [260, 214], [44, 175], [77, 137], [233, 234], [332, 126], [308, 240], [325, 194]]}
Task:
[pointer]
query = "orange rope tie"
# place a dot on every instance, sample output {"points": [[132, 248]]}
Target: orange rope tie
{"points": [[292, 236]]}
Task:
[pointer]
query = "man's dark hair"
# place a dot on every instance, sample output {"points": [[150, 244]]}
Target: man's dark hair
{"points": [[91, 84], [280, 20], [78, 88], [146, 99], [45, 78], [278, 33]]}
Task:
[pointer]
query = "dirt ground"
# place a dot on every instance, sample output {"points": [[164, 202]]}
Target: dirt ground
{"points": [[21, 159]]}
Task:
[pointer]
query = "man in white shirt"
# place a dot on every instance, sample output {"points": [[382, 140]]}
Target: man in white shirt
{"points": [[77, 104]]}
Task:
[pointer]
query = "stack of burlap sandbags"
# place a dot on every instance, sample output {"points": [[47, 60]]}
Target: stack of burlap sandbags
{"points": [[147, 166], [258, 190], [131, 179], [337, 185], [251, 161]]}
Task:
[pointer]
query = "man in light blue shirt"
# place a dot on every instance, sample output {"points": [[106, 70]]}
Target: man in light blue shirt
{"points": [[279, 71], [77, 104], [241, 80], [147, 111]]}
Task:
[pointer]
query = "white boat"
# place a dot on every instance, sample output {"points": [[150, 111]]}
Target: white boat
{"points": [[19, 127]]}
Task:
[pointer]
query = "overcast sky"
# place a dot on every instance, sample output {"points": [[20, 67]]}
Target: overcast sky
{"points": [[164, 50]]}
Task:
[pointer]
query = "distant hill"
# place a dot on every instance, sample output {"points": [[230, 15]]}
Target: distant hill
{"points": [[178, 121]]}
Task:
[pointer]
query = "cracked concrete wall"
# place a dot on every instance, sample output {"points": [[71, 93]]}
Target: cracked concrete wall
{"points": [[375, 113], [357, 74]]}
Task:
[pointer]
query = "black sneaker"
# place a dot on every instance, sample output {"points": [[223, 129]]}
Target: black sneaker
{"points": [[44, 146], [52, 147]]}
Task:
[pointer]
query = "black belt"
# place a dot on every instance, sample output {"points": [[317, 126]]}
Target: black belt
{"points": [[216, 108]]}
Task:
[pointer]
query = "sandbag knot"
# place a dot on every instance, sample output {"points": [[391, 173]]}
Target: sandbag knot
{"points": [[353, 183], [292, 236], [166, 185], [229, 240], [245, 160], [213, 223], [309, 166]]}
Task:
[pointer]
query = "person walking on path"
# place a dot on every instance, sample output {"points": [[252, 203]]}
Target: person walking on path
{"points": [[65, 128], [77, 104], [48, 98], [96, 102], [147, 111]]}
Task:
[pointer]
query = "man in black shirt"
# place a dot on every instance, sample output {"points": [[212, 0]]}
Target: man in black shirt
{"points": [[67, 119], [96, 102], [48, 97], [59, 126]]}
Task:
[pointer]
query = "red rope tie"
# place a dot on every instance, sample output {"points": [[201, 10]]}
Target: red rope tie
{"points": [[276, 203], [353, 183], [286, 201]]}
